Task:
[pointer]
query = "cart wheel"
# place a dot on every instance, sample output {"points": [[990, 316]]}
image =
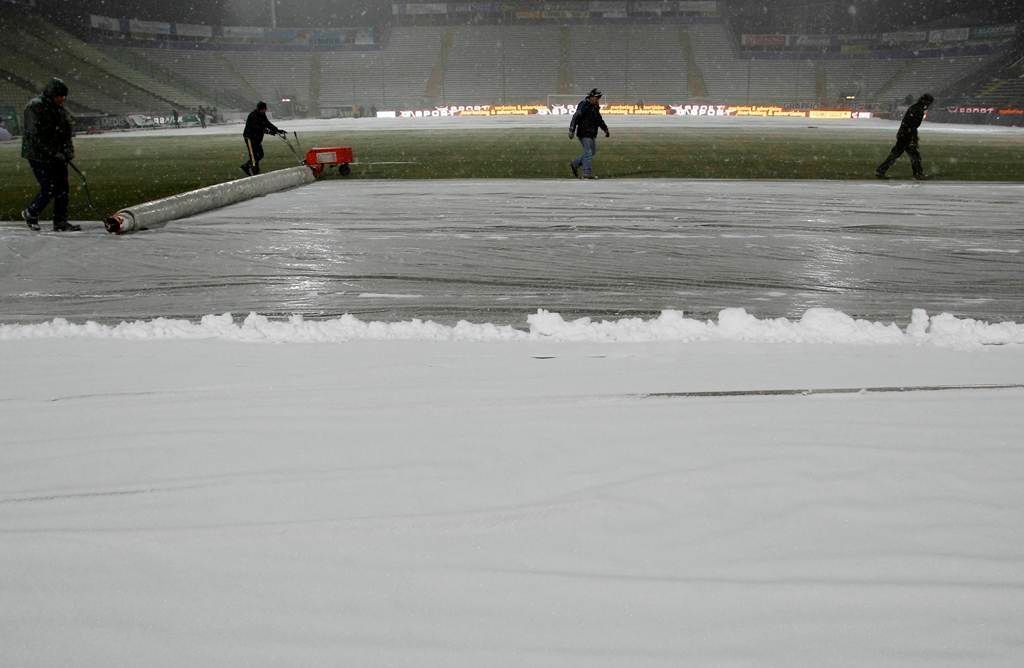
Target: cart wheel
{"points": [[344, 169]]}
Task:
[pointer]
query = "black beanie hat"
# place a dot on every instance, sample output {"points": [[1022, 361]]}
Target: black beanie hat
{"points": [[56, 88], [261, 105]]}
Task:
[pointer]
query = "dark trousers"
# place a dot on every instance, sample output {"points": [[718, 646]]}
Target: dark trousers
{"points": [[53, 184], [904, 144], [254, 149]]}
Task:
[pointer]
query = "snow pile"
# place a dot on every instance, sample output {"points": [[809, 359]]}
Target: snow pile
{"points": [[734, 324], [818, 325]]}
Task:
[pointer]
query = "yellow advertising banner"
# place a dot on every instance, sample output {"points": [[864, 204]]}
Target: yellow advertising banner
{"points": [[825, 113]]}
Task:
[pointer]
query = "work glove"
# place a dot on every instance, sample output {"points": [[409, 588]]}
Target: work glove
{"points": [[571, 134], [607, 134]]}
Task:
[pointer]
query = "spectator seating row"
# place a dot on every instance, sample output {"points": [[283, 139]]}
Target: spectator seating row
{"points": [[420, 66]]}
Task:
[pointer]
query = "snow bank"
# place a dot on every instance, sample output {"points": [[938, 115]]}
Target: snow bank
{"points": [[818, 325]]}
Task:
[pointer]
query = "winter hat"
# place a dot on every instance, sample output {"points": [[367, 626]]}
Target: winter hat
{"points": [[261, 106], [594, 93], [56, 88], [927, 98]]}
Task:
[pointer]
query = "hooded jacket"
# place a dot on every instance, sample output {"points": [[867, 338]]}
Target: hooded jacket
{"points": [[47, 135]]}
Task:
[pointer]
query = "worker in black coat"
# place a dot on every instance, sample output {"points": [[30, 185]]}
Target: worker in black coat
{"points": [[256, 125], [584, 125], [906, 139], [48, 147]]}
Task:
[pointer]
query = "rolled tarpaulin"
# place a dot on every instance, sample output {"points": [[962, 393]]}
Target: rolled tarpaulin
{"points": [[195, 202]]}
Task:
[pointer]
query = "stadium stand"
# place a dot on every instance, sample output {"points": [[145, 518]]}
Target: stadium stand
{"points": [[12, 93], [732, 79], [1006, 89], [282, 75], [643, 62], [475, 70], [351, 78], [658, 69], [861, 79], [201, 68], [442, 63], [532, 61], [152, 63], [37, 50], [999, 84], [921, 75], [408, 59]]}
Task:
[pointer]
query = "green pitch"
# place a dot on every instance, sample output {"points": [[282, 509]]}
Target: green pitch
{"points": [[123, 171]]}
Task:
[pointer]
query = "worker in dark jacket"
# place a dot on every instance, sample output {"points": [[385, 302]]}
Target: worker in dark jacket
{"points": [[256, 125], [906, 139], [48, 148], [584, 124]]}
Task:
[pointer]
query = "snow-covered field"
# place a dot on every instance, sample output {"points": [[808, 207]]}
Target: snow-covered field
{"points": [[451, 123], [437, 503], [531, 489]]}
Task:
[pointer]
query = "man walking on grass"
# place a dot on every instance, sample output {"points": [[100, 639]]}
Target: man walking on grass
{"points": [[906, 139], [585, 123], [256, 125], [48, 148]]}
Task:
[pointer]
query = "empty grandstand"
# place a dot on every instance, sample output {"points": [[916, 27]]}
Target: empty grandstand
{"points": [[416, 55]]}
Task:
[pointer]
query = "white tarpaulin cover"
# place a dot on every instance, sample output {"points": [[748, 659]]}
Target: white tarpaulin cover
{"points": [[206, 199]]}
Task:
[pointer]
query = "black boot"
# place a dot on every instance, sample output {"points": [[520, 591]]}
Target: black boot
{"points": [[65, 226]]}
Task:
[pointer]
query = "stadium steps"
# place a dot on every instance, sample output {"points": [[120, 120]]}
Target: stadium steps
{"points": [[314, 84], [656, 70], [927, 75], [695, 78], [883, 91], [97, 88], [274, 75], [599, 60], [860, 77], [349, 79], [564, 61], [83, 97], [62, 41], [725, 75], [820, 83], [237, 75], [406, 63], [204, 69], [1002, 81], [45, 50], [31, 70], [530, 62], [435, 83], [16, 91], [991, 89], [151, 66], [475, 72]]}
